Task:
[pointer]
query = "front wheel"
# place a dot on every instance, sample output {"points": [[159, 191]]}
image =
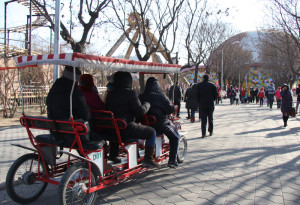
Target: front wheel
{"points": [[21, 183], [182, 149], [74, 184]]}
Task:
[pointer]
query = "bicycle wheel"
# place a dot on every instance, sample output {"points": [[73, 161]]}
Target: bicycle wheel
{"points": [[74, 183], [21, 183], [182, 150]]}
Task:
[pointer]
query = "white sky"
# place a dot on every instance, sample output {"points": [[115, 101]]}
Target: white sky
{"points": [[244, 15]]}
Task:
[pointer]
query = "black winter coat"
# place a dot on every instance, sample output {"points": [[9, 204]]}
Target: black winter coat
{"points": [[161, 106], [187, 97], [192, 100], [177, 94], [287, 101], [206, 94], [58, 101], [123, 101]]}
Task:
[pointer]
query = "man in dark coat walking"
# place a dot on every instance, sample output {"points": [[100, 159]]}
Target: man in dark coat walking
{"points": [[206, 94], [187, 101], [177, 96]]}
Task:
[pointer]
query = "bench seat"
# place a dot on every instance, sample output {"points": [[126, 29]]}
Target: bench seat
{"points": [[49, 139]]}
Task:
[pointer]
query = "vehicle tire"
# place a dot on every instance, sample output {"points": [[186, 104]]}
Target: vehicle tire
{"points": [[182, 149], [21, 185], [73, 183]]}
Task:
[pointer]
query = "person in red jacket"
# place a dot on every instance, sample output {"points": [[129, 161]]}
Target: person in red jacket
{"points": [[243, 93], [278, 97], [261, 95], [92, 98]]}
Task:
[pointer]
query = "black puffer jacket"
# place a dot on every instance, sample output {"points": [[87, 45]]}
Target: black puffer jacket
{"points": [[177, 94], [161, 106], [123, 101], [58, 101], [207, 93]]}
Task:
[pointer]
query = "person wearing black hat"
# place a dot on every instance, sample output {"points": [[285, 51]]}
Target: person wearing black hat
{"points": [[206, 94], [287, 103], [123, 101], [58, 102]]}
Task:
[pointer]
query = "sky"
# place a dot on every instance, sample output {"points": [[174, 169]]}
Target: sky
{"points": [[244, 15]]}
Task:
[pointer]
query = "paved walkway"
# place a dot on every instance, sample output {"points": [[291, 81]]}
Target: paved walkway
{"points": [[250, 159]]}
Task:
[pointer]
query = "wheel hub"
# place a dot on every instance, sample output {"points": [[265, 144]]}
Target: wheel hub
{"points": [[28, 178], [78, 190]]}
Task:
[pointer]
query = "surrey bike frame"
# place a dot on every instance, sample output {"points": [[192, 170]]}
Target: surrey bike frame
{"points": [[93, 157]]}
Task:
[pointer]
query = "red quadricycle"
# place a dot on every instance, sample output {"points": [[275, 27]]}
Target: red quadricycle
{"points": [[80, 168]]}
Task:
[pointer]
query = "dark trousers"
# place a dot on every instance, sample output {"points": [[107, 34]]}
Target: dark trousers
{"points": [[261, 101], [206, 113], [173, 136], [278, 103], [189, 113], [271, 100], [177, 103]]}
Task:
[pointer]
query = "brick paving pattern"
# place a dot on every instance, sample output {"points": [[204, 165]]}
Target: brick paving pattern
{"points": [[250, 159]]}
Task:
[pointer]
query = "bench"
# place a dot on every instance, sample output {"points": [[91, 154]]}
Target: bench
{"points": [[60, 126]]}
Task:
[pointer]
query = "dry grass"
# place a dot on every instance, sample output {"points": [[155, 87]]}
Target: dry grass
{"points": [[7, 122]]}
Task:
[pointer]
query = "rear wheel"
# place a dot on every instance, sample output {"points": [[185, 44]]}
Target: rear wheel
{"points": [[21, 183], [182, 150], [74, 184]]}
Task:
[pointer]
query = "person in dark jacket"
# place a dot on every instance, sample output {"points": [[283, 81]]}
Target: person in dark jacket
{"points": [[58, 103], [206, 94], [187, 102], [298, 98], [177, 96], [125, 104], [161, 108], [193, 102], [287, 103], [271, 93]]}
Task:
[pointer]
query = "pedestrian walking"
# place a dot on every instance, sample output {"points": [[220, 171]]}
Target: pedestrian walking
{"points": [[187, 101], [194, 105], [237, 96], [298, 98], [175, 91], [261, 95], [256, 95], [206, 94], [278, 97], [271, 92], [287, 103]]}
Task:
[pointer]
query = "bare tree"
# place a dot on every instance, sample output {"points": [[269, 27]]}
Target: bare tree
{"points": [[8, 91], [286, 15], [161, 17], [279, 55], [204, 32], [87, 11]]}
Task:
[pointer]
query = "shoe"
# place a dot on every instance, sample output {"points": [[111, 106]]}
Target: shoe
{"points": [[211, 133], [115, 160], [192, 120], [173, 165], [203, 136], [148, 158], [285, 124], [188, 118]]}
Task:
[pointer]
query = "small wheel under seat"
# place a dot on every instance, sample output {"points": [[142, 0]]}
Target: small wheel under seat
{"points": [[182, 149], [21, 183]]}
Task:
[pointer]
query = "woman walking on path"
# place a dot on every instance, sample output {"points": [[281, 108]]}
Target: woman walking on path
{"points": [[194, 102], [287, 102], [261, 96], [278, 97]]}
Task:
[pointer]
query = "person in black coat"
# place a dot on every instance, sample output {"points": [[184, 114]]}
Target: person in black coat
{"points": [[187, 101], [177, 96], [206, 94], [58, 103], [194, 102], [161, 108], [287, 103], [125, 104]]}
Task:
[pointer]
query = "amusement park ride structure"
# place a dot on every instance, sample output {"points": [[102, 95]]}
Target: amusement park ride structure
{"points": [[9, 50]]}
